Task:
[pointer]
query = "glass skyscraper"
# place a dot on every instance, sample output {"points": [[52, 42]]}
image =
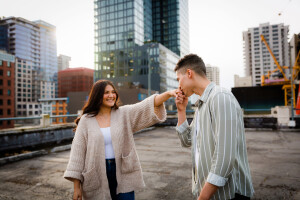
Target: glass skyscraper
{"points": [[171, 24], [128, 43]]}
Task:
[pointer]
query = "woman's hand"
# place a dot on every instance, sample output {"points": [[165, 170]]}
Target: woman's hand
{"points": [[77, 190], [172, 93], [181, 100], [161, 98]]}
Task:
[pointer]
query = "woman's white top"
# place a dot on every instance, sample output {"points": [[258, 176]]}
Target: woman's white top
{"points": [[109, 151]]}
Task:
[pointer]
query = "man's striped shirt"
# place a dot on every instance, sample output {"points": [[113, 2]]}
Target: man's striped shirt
{"points": [[221, 148]]}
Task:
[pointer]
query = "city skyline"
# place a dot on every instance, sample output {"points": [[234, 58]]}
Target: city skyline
{"points": [[215, 28]]}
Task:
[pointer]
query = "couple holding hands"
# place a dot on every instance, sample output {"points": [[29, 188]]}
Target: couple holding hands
{"points": [[104, 163]]}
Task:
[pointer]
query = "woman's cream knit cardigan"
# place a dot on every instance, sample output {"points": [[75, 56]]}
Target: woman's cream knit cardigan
{"points": [[87, 158]]}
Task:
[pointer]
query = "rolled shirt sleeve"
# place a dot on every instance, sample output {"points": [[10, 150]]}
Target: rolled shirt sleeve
{"points": [[184, 134], [225, 119]]}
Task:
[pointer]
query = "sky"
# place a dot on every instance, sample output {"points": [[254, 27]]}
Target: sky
{"points": [[216, 27]]}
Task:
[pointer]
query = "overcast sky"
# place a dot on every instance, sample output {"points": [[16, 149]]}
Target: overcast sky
{"points": [[216, 27]]}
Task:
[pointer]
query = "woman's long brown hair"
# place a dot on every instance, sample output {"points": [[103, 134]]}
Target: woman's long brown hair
{"points": [[92, 107]]}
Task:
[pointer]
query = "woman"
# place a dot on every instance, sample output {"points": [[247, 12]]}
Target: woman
{"points": [[103, 161]]}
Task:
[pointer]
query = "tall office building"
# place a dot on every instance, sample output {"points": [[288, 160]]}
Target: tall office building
{"points": [[7, 85], [48, 59], [170, 24], [63, 62], [128, 43], [258, 60], [34, 45], [213, 74]]}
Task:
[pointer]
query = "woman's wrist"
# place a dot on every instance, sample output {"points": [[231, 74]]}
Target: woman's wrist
{"points": [[76, 183]]}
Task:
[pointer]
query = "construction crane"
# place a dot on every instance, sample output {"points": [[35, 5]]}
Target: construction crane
{"points": [[289, 91]]}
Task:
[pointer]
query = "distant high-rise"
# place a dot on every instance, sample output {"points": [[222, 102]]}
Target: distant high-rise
{"points": [[258, 60], [34, 45], [170, 24], [137, 37], [213, 74], [295, 48], [63, 62]]}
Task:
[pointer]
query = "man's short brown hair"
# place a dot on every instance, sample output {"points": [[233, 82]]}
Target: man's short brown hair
{"points": [[193, 62]]}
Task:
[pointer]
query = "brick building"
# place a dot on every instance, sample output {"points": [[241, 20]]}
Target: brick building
{"points": [[75, 80], [7, 87]]}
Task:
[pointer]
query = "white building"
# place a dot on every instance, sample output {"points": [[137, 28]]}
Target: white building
{"points": [[63, 62], [295, 48], [258, 60], [213, 74]]}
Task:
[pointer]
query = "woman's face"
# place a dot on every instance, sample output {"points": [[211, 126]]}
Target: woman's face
{"points": [[109, 97]]}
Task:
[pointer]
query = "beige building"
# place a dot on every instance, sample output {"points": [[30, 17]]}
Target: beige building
{"points": [[63, 62], [295, 48], [242, 81], [213, 74]]}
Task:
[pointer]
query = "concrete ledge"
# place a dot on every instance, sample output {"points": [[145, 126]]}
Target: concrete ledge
{"points": [[57, 149], [61, 148], [35, 137], [19, 157]]}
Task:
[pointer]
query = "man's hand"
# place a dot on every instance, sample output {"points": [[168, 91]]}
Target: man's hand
{"points": [[181, 100]]}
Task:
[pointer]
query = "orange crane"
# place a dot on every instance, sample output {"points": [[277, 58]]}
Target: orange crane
{"points": [[287, 87]]}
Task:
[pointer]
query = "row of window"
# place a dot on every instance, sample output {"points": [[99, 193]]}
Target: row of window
{"points": [[8, 112], [7, 93], [8, 73], [30, 106], [8, 102]]}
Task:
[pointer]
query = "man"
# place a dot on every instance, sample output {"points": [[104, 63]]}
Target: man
{"points": [[216, 135]]}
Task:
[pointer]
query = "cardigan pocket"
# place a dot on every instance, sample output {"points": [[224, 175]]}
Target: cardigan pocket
{"points": [[130, 163], [90, 180]]}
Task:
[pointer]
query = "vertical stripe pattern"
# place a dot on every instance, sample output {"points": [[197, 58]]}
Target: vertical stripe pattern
{"points": [[221, 144]]}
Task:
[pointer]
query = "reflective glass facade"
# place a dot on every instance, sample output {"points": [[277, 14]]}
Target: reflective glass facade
{"points": [[34, 42], [170, 24], [126, 48]]}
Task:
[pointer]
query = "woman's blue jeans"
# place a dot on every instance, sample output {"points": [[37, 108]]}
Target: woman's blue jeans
{"points": [[112, 181]]}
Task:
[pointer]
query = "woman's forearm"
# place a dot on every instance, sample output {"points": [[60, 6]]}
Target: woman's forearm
{"points": [[76, 183], [161, 98]]}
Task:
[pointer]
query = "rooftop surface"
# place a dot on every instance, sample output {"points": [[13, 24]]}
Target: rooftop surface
{"points": [[274, 159]]}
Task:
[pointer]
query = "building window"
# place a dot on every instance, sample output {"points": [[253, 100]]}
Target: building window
{"points": [[8, 64], [8, 73], [8, 112], [1, 63], [8, 122], [1, 91], [1, 72], [1, 112], [1, 82], [9, 82], [8, 102], [1, 102]]}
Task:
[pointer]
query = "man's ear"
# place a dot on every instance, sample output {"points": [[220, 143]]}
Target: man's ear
{"points": [[189, 73]]}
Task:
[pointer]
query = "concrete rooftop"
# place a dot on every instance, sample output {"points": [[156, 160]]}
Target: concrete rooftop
{"points": [[274, 160]]}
